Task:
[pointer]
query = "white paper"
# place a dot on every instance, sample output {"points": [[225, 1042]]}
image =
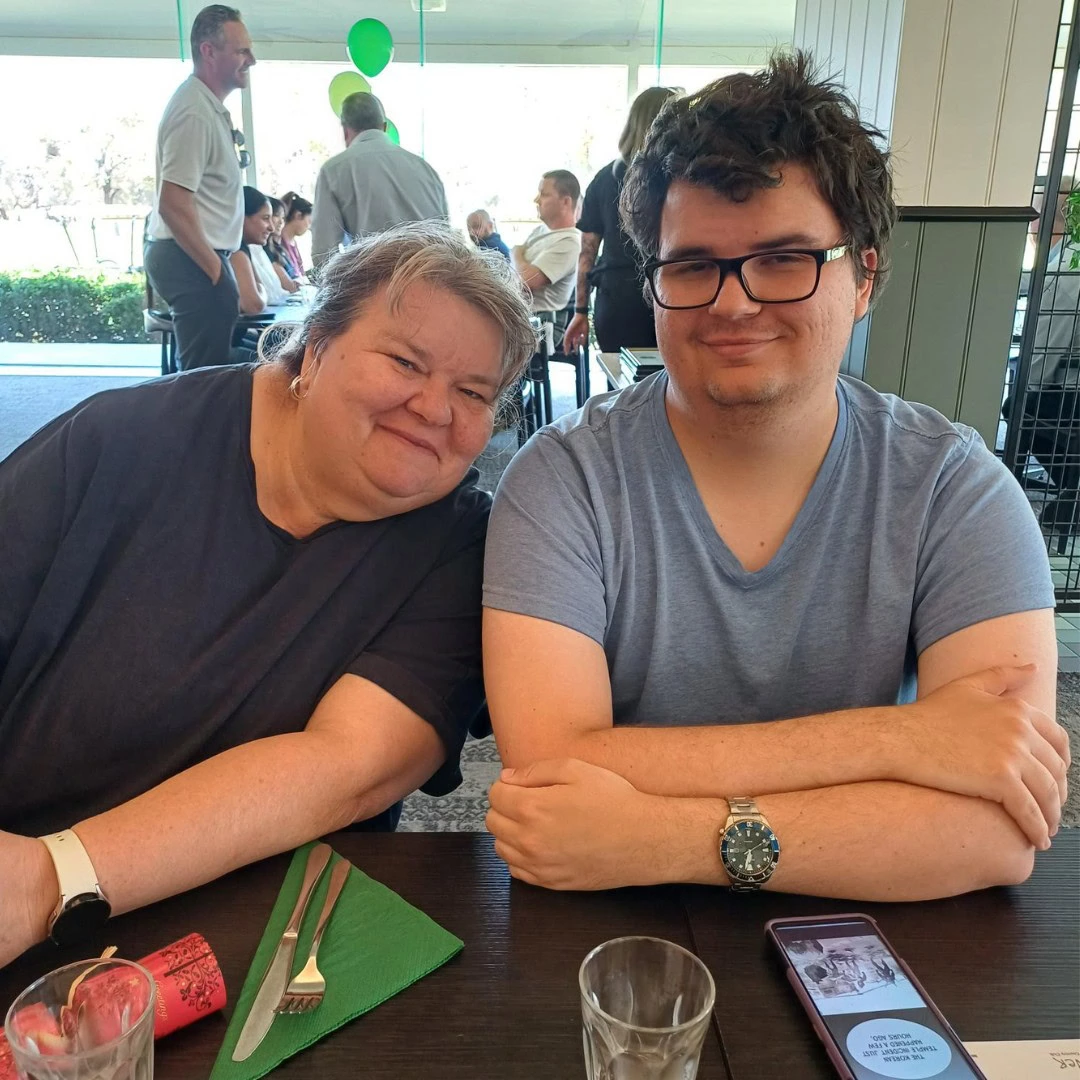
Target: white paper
{"points": [[1037, 1059]]}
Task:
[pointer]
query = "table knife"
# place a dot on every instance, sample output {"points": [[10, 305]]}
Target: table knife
{"points": [[279, 972]]}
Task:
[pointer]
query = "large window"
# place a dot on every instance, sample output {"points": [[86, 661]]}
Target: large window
{"points": [[77, 158], [534, 118], [686, 77]]}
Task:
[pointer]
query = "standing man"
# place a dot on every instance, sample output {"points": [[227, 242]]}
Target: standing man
{"points": [[199, 205], [372, 185], [548, 259]]}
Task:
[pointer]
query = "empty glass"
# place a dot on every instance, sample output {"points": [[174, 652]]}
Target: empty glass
{"points": [[645, 1008], [93, 1020]]}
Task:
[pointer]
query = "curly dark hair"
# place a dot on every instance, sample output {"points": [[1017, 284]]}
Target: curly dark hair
{"points": [[735, 136]]}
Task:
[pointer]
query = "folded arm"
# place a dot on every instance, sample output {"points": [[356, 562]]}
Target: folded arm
{"points": [[361, 752], [873, 841], [533, 276], [252, 293], [971, 739]]}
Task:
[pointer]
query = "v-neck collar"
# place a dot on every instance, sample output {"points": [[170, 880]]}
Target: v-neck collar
{"points": [[695, 505]]}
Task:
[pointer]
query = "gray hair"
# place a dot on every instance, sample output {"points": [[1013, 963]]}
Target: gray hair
{"points": [[423, 252], [362, 112], [208, 26]]}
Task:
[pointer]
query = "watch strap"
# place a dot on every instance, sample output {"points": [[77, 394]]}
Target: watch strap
{"points": [[741, 806], [74, 870]]}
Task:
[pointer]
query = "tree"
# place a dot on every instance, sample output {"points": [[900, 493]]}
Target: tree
{"points": [[120, 161]]}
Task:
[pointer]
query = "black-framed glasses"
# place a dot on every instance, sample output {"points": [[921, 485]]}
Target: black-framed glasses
{"points": [[768, 277], [241, 154]]}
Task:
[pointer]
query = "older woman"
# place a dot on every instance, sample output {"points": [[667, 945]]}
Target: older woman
{"points": [[241, 606]]}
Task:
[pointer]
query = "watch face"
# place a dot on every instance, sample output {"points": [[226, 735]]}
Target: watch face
{"points": [[82, 917], [750, 849]]}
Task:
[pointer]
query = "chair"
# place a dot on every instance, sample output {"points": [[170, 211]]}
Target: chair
{"points": [[536, 403], [157, 319], [160, 321]]}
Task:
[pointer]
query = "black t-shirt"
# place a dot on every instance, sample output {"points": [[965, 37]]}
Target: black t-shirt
{"points": [[151, 616], [600, 215]]}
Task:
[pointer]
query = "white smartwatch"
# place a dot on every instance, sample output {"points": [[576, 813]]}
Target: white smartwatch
{"points": [[82, 907]]}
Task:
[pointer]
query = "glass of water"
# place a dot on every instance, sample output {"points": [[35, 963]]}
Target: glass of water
{"points": [[645, 1008], [92, 1020]]}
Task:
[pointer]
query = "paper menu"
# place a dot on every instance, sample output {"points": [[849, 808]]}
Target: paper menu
{"points": [[1037, 1059]]}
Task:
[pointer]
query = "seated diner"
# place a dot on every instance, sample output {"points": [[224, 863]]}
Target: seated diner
{"points": [[242, 604]]}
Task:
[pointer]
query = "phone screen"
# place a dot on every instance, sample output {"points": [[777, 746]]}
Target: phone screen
{"points": [[878, 1019]]}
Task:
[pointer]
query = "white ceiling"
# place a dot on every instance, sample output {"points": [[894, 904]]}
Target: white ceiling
{"points": [[696, 30]]}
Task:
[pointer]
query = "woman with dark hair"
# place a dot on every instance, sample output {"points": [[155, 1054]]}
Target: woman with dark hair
{"points": [[622, 315], [257, 229], [241, 605], [279, 261], [297, 222]]}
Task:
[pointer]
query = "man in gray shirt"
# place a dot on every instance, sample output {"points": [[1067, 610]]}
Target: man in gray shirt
{"points": [[198, 213], [372, 185], [748, 607]]}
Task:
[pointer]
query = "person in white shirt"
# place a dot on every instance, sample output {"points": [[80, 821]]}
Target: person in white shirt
{"points": [[372, 185], [547, 261], [198, 206]]}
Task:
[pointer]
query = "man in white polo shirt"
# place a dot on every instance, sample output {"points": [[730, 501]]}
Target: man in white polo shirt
{"points": [[198, 211], [547, 261]]}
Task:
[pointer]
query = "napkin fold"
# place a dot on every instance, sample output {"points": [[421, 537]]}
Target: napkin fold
{"points": [[375, 946]]}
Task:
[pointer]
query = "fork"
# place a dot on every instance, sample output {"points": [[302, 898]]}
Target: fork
{"points": [[307, 989]]}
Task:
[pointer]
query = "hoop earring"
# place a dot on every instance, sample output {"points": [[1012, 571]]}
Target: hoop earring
{"points": [[294, 388]]}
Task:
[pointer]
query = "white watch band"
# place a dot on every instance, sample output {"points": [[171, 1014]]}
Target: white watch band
{"points": [[74, 870]]}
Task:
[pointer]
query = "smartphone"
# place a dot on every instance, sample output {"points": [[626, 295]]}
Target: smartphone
{"points": [[865, 1005]]}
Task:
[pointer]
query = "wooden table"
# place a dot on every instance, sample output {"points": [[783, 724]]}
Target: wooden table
{"points": [[1002, 964], [507, 1006]]}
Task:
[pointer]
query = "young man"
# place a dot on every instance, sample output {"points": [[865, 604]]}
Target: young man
{"points": [[748, 607], [198, 211]]}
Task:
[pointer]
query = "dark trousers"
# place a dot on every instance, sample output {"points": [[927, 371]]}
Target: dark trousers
{"points": [[203, 313]]}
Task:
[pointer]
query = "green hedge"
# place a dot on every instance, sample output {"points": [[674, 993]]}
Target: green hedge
{"points": [[59, 306]]}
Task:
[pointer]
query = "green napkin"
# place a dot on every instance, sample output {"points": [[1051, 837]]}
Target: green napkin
{"points": [[374, 946]]}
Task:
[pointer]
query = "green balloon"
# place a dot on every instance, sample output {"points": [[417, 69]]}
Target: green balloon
{"points": [[344, 84], [392, 132], [370, 46]]}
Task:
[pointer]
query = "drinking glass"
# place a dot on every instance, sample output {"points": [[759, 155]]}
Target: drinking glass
{"points": [[645, 1008], [92, 1020]]}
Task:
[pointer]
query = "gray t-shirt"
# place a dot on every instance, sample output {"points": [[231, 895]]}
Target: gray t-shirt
{"points": [[911, 531]]}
